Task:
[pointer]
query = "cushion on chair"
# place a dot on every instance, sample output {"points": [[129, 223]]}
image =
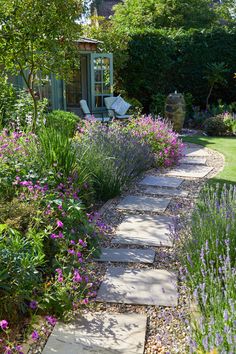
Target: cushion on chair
{"points": [[120, 106]]}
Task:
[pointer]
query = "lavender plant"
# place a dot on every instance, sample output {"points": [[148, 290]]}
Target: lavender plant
{"points": [[112, 156], [208, 255]]}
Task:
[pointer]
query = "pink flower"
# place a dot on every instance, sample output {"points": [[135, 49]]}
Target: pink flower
{"points": [[4, 324], [60, 235], [53, 236], [51, 320], [72, 252], [60, 223], [82, 243], [77, 277], [35, 335]]}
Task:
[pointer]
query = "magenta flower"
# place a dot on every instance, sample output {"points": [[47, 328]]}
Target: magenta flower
{"points": [[72, 252], [54, 236], [60, 235], [51, 320], [33, 305], [60, 223], [77, 277], [82, 243], [35, 335], [8, 350], [3, 324], [19, 348]]}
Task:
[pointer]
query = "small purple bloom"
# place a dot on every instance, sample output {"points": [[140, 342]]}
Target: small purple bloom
{"points": [[35, 335], [60, 223], [3, 324], [33, 305], [51, 320]]}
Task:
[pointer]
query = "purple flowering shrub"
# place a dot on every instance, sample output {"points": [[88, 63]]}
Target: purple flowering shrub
{"points": [[164, 143], [208, 253], [111, 156]]}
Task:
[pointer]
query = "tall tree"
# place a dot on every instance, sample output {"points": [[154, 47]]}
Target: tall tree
{"points": [[39, 36], [164, 13]]}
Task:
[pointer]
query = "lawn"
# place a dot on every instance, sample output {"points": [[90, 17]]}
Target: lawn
{"points": [[227, 147]]}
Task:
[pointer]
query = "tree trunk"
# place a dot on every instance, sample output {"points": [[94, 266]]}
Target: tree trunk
{"points": [[209, 95]]}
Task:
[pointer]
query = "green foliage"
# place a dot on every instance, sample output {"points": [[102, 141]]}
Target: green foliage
{"points": [[36, 37], [64, 122], [157, 106], [215, 76], [133, 14], [164, 61], [215, 126], [57, 152], [20, 258], [7, 100]]}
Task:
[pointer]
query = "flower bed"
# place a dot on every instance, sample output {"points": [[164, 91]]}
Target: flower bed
{"points": [[48, 227]]}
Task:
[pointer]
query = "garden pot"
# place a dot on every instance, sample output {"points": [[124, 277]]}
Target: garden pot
{"points": [[175, 109]]}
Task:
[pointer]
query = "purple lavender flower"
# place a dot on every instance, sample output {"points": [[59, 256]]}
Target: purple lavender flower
{"points": [[33, 304], [35, 335], [4, 325]]}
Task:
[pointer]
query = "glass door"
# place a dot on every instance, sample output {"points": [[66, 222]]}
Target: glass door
{"points": [[101, 80]]}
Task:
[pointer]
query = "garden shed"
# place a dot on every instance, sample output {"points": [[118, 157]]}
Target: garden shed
{"points": [[92, 81]]}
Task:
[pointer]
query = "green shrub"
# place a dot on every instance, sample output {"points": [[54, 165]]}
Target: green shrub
{"points": [[8, 97], [20, 260], [57, 152], [157, 106], [215, 126], [64, 122]]}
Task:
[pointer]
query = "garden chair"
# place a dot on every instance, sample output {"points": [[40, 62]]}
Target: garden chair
{"points": [[117, 107], [89, 115]]}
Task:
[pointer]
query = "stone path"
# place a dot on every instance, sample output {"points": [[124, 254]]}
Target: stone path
{"points": [[128, 282]]}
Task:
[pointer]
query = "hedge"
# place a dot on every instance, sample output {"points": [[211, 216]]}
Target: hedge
{"points": [[161, 61]]}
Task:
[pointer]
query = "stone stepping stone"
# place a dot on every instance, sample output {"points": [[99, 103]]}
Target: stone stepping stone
{"points": [[192, 171], [172, 192], [139, 287], [142, 203], [158, 181], [126, 255], [193, 160], [100, 333], [144, 230], [195, 151]]}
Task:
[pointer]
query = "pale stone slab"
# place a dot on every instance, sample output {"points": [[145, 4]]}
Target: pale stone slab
{"points": [[126, 255], [195, 152], [99, 333], [193, 171], [193, 160], [172, 192], [144, 230], [142, 203], [139, 286], [158, 181]]}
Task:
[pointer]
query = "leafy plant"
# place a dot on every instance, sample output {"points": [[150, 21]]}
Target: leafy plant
{"points": [[215, 126], [64, 122], [57, 152], [7, 100], [20, 259], [215, 76]]}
